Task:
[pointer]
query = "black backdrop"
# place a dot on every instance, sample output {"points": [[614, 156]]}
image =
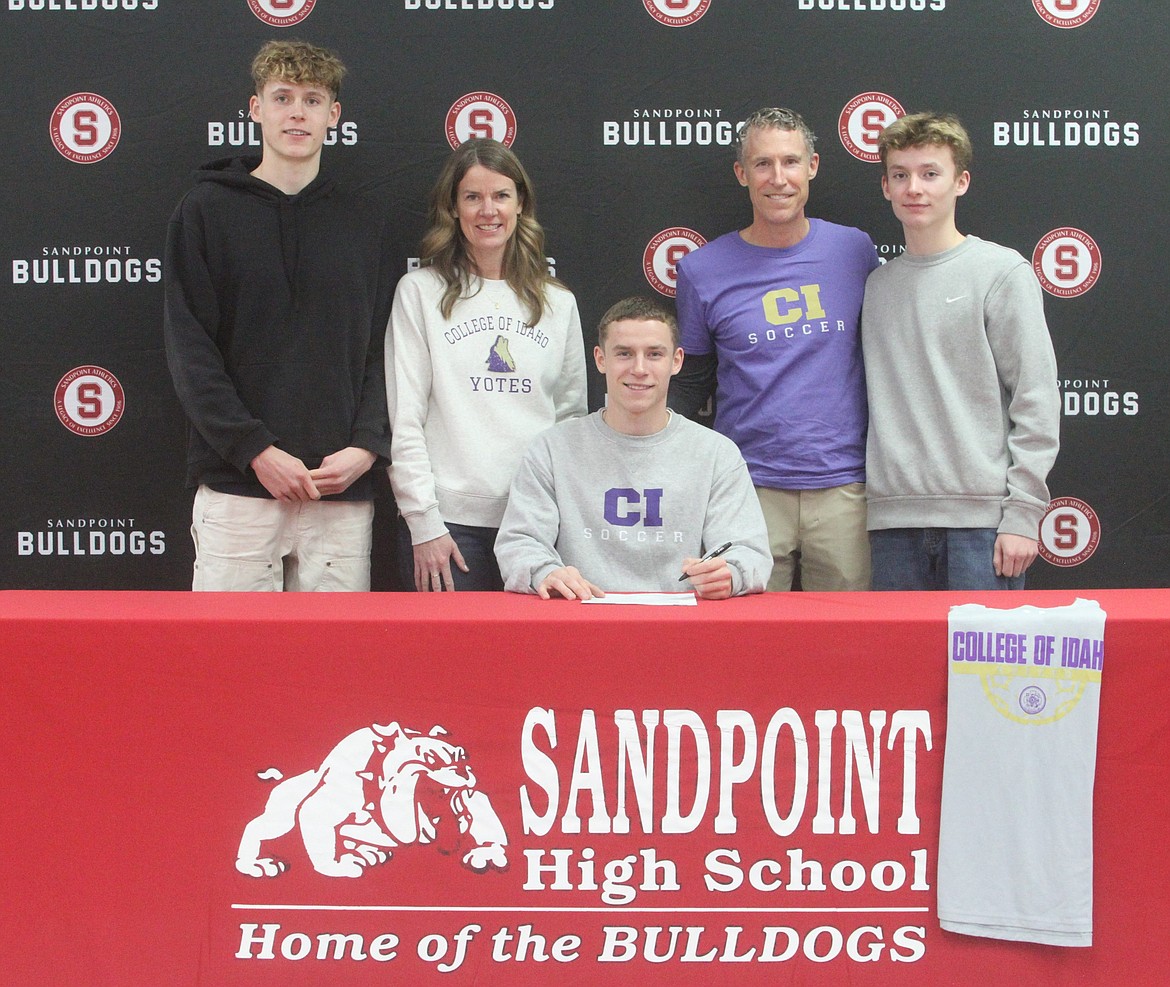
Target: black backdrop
{"points": [[623, 112]]}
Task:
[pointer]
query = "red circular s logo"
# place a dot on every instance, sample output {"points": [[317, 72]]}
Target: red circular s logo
{"points": [[480, 114], [676, 13], [1069, 533], [1066, 13], [282, 13], [1067, 261], [89, 401], [862, 121], [85, 128], [662, 254]]}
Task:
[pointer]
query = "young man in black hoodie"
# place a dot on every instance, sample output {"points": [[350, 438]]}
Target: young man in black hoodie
{"points": [[278, 290]]}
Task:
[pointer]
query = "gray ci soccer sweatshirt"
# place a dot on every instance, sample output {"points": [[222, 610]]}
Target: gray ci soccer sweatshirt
{"points": [[625, 510]]}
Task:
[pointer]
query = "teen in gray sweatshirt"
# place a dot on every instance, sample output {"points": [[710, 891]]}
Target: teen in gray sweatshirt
{"points": [[632, 497], [964, 410]]}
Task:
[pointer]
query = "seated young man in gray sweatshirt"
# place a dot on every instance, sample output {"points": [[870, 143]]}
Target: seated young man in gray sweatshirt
{"points": [[633, 497]]}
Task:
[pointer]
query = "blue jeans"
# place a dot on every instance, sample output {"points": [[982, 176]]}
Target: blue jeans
{"points": [[936, 558], [477, 546]]}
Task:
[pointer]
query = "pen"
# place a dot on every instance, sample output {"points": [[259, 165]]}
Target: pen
{"points": [[710, 555]]}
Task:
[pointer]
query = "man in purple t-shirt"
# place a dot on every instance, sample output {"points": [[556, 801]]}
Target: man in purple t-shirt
{"points": [[771, 315]]}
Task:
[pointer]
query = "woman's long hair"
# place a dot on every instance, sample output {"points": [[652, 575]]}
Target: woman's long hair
{"points": [[445, 249]]}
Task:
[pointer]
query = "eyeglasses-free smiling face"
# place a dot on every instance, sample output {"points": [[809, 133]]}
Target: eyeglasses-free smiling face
{"points": [[638, 361], [294, 119], [776, 170], [487, 205]]}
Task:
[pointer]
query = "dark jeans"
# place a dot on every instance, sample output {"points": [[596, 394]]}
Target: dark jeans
{"points": [[478, 548], [936, 558]]}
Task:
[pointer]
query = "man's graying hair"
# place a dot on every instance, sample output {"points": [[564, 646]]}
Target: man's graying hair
{"points": [[778, 118]]}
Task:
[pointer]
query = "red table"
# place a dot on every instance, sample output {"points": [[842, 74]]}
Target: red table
{"points": [[751, 827]]}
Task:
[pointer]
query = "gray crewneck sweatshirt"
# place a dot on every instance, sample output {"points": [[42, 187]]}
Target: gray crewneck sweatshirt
{"points": [[625, 510], [964, 408]]}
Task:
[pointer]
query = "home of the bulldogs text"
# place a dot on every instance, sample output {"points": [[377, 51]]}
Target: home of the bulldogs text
{"points": [[863, 943]]}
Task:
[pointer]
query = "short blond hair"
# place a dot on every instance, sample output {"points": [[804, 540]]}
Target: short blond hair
{"points": [[297, 62], [917, 129]]}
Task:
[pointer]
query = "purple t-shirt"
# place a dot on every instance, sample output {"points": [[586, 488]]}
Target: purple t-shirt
{"points": [[784, 325]]}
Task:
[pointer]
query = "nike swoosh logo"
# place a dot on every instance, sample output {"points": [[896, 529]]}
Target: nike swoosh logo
{"points": [[955, 299]]}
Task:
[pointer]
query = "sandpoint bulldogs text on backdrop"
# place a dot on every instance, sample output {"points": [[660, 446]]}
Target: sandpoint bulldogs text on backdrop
{"points": [[1078, 127], [479, 4], [669, 126], [873, 6], [82, 5], [91, 537], [1097, 396], [87, 264], [246, 133]]}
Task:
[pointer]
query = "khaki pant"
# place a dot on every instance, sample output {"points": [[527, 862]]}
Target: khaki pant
{"points": [[253, 544], [821, 530]]}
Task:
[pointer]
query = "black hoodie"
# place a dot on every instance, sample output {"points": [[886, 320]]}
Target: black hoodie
{"points": [[275, 315]]}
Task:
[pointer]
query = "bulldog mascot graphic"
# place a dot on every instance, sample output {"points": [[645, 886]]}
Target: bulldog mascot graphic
{"points": [[381, 787]]}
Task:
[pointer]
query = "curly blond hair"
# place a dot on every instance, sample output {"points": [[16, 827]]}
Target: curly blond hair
{"points": [[297, 62]]}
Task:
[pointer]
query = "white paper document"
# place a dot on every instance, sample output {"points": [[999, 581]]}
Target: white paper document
{"points": [[648, 599]]}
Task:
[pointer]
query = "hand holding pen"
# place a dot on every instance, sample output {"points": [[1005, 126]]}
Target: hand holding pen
{"points": [[710, 576]]}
